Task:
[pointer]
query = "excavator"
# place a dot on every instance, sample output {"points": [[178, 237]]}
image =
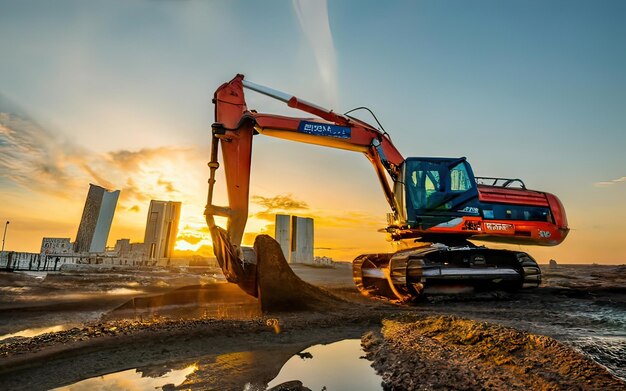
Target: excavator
{"points": [[438, 206]]}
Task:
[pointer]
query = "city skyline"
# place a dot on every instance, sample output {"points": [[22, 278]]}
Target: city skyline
{"points": [[92, 237], [120, 95]]}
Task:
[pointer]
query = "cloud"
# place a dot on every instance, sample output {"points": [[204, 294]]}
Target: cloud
{"points": [[99, 179], [315, 24], [190, 238], [136, 160], [350, 219], [266, 215], [32, 158], [132, 192], [611, 182], [205, 251], [35, 159], [281, 202], [168, 185], [203, 228], [277, 204]]}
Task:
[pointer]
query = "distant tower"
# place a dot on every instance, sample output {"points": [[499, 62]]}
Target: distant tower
{"points": [[161, 229], [282, 234], [95, 224], [295, 236]]}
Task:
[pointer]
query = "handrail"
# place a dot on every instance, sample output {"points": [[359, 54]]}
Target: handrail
{"points": [[499, 182]]}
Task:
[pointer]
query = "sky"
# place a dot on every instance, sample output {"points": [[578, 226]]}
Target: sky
{"points": [[118, 93]]}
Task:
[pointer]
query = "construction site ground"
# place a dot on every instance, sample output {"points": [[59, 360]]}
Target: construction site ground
{"points": [[568, 334]]}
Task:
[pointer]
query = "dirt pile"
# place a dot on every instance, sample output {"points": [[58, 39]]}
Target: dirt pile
{"points": [[447, 352], [280, 289]]}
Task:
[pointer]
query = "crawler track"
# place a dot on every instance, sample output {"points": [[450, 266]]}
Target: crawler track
{"points": [[406, 276]]}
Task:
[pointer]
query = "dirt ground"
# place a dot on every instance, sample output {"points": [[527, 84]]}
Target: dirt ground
{"points": [[568, 334], [449, 352]]}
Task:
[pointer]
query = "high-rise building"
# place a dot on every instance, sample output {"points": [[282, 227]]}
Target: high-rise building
{"points": [[95, 223], [295, 236], [282, 234], [161, 229]]}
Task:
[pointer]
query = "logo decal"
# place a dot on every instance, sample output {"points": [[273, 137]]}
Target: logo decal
{"points": [[544, 234], [499, 227], [327, 130], [469, 209]]}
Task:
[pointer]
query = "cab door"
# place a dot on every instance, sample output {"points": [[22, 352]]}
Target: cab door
{"points": [[439, 190]]}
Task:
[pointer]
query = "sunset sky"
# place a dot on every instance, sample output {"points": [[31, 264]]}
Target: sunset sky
{"points": [[118, 93]]}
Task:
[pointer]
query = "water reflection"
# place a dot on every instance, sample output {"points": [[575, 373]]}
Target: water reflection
{"points": [[132, 379], [35, 331], [124, 291], [336, 366]]}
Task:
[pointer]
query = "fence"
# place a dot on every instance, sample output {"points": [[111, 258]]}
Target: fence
{"points": [[14, 260]]}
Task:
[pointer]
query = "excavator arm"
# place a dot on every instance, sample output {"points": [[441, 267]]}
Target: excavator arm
{"points": [[234, 129]]}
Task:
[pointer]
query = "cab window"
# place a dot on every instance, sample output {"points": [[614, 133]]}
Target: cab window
{"points": [[459, 179], [432, 185]]}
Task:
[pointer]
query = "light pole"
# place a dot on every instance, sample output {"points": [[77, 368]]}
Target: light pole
{"points": [[5, 234]]}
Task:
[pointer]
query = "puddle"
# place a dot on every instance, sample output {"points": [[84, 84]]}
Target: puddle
{"points": [[124, 291], [608, 351], [600, 335], [336, 366], [36, 331], [132, 379], [37, 275]]}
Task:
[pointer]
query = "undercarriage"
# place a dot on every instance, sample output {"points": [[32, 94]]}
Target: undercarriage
{"points": [[434, 268]]}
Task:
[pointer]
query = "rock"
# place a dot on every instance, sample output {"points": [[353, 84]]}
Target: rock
{"points": [[293, 385], [552, 264]]}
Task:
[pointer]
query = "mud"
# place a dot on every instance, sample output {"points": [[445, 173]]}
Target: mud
{"points": [[583, 307], [218, 301], [44, 299], [229, 354]]}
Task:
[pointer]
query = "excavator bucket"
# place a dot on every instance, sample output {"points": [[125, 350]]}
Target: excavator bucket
{"points": [[238, 265]]}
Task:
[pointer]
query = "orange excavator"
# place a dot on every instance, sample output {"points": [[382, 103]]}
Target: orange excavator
{"points": [[437, 205]]}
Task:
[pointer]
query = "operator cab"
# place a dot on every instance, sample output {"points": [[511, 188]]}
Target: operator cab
{"points": [[439, 189]]}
